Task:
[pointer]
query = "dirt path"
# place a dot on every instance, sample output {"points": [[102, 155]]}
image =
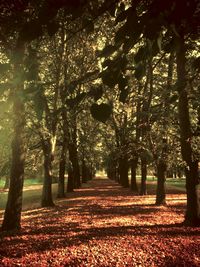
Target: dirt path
{"points": [[103, 224]]}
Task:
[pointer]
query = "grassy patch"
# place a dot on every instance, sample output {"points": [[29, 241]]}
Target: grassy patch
{"points": [[31, 196], [176, 182], [33, 191], [2, 182], [169, 181], [28, 182]]}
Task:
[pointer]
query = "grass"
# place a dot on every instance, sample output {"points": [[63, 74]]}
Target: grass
{"points": [[27, 182], [33, 190], [2, 182], [172, 182], [178, 183], [31, 196], [35, 181]]}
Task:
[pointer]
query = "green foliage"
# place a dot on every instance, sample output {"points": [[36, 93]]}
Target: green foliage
{"points": [[101, 112], [5, 168], [73, 102], [4, 67], [150, 25], [4, 87], [146, 154]]}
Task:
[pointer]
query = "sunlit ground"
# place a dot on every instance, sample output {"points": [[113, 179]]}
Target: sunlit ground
{"points": [[103, 224]]}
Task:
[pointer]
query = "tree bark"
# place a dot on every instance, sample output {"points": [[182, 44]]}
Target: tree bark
{"points": [[62, 167], [112, 169], [134, 186], [161, 178], [70, 180], [123, 171], [12, 215], [84, 172], [192, 216], [143, 187], [73, 156], [47, 200], [117, 173]]}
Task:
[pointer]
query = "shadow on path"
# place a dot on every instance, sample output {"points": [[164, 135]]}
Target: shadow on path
{"points": [[102, 211]]}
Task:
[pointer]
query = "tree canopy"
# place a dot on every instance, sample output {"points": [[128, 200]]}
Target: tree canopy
{"points": [[92, 85]]}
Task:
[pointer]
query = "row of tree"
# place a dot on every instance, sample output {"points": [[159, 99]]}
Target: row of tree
{"points": [[160, 44], [132, 65]]}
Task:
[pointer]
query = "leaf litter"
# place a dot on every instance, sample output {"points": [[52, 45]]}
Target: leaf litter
{"points": [[104, 225]]}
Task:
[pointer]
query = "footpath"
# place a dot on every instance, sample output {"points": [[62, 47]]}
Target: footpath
{"points": [[103, 224]]}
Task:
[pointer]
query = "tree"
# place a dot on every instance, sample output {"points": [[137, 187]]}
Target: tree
{"points": [[28, 26], [191, 169], [179, 27]]}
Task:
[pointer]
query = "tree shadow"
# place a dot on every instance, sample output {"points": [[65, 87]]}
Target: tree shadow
{"points": [[72, 234], [84, 216]]}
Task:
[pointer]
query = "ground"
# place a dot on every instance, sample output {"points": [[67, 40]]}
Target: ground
{"points": [[103, 224]]}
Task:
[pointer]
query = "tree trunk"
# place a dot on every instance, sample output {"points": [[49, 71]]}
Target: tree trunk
{"points": [[12, 215], [63, 157], [114, 173], [73, 156], [84, 172], [117, 172], [112, 170], [62, 167], [70, 180], [90, 172], [123, 172], [161, 178], [192, 216], [143, 187], [134, 186], [47, 200]]}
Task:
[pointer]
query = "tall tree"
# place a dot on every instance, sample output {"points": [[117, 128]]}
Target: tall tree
{"points": [[24, 21], [180, 19], [12, 214]]}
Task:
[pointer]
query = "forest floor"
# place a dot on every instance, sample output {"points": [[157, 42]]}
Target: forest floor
{"points": [[103, 225]]}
